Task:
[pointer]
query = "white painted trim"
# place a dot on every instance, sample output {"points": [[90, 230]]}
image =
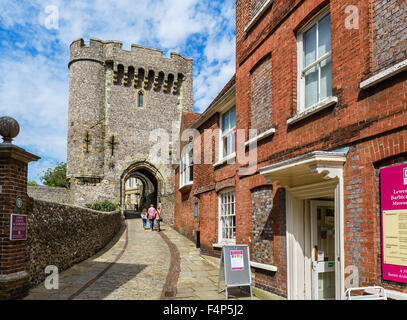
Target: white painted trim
{"points": [[289, 241], [186, 185], [222, 241], [318, 61], [328, 157], [300, 63], [385, 74], [258, 15], [261, 136], [314, 241], [185, 157], [263, 266], [292, 204], [340, 231], [224, 160], [218, 245], [327, 102]]}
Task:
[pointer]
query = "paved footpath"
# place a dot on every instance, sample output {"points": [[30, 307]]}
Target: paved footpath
{"points": [[139, 265]]}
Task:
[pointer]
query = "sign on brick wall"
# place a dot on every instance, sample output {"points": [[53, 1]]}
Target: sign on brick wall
{"points": [[18, 227], [394, 222]]}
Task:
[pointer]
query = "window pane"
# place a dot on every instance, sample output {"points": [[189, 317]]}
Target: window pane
{"points": [[225, 125], [311, 87], [225, 146], [140, 99], [324, 45], [232, 118], [191, 156], [233, 147], [326, 78], [191, 173], [310, 45]]}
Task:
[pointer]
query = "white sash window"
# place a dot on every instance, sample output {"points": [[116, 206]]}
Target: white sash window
{"points": [[227, 217], [228, 138], [315, 62], [187, 166]]}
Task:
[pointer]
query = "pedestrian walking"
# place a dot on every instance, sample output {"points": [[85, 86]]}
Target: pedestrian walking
{"points": [[151, 216], [144, 218], [158, 218]]}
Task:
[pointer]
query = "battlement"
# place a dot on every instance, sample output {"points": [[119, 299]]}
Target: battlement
{"points": [[113, 51], [141, 67]]}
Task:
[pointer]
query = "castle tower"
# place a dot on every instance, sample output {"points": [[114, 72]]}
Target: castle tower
{"points": [[86, 112], [116, 99]]}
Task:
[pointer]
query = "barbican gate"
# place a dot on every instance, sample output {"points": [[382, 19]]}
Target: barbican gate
{"points": [[116, 98]]}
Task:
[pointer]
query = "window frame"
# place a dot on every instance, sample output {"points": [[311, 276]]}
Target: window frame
{"points": [[138, 99], [301, 95], [223, 135], [185, 166], [223, 193]]}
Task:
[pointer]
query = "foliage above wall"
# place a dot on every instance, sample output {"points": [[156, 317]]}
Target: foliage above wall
{"points": [[55, 177], [105, 206]]}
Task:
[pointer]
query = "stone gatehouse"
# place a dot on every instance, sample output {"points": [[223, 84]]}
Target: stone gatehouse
{"points": [[117, 98]]}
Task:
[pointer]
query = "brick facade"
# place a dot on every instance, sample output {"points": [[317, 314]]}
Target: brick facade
{"points": [[184, 219], [14, 259], [369, 123]]}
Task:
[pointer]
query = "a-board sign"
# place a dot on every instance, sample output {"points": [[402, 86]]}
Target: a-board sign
{"points": [[235, 267], [18, 227], [393, 187]]}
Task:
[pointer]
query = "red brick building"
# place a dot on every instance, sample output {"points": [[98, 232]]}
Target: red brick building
{"points": [[324, 83]]}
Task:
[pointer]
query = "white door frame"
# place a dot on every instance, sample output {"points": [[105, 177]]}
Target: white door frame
{"points": [[332, 187], [314, 238]]}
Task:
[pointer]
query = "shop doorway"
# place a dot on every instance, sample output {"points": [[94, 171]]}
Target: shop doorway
{"points": [[314, 243], [313, 183], [323, 246]]}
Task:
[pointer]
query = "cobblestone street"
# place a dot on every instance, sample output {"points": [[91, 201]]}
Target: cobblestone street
{"points": [[141, 265]]}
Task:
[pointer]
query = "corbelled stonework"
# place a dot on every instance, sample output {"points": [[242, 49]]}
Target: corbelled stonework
{"points": [[109, 123]]}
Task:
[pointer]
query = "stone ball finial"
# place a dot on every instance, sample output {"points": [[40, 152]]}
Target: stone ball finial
{"points": [[9, 129]]}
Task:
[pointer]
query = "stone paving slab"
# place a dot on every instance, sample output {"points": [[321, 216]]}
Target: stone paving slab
{"points": [[140, 264]]}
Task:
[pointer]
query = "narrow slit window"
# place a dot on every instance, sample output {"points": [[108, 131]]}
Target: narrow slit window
{"points": [[140, 99]]}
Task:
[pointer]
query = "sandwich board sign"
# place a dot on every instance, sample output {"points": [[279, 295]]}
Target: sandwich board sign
{"points": [[235, 267]]}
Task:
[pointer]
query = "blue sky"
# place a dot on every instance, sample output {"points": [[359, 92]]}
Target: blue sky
{"points": [[34, 49]]}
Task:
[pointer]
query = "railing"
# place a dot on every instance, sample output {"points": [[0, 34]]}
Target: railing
{"points": [[371, 293]]}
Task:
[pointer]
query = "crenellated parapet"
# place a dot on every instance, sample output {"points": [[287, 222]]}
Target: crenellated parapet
{"points": [[140, 67]]}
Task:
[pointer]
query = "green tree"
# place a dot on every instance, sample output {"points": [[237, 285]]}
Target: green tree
{"points": [[55, 177], [32, 183], [105, 206]]}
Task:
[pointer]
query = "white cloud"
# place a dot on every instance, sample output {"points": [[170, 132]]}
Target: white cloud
{"points": [[33, 68], [33, 92]]}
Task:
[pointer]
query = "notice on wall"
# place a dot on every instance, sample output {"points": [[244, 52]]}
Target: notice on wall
{"points": [[394, 222], [395, 237], [18, 227], [236, 260]]}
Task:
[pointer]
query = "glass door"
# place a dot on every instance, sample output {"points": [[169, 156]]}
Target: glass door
{"points": [[323, 250]]}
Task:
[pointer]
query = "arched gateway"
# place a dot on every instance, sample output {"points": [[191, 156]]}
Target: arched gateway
{"points": [[152, 184]]}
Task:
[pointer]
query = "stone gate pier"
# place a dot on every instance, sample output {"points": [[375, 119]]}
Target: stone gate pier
{"points": [[14, 278]]}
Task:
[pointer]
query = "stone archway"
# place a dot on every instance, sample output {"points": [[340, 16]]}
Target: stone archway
{"points": [[151, 179]]}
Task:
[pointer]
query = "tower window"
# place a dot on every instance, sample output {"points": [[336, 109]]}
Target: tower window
{"points": [[140, 99]]}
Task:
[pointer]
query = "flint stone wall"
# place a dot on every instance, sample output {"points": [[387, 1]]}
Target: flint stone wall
{"points": [[51, 194], [63, 235], [389, 33]]}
